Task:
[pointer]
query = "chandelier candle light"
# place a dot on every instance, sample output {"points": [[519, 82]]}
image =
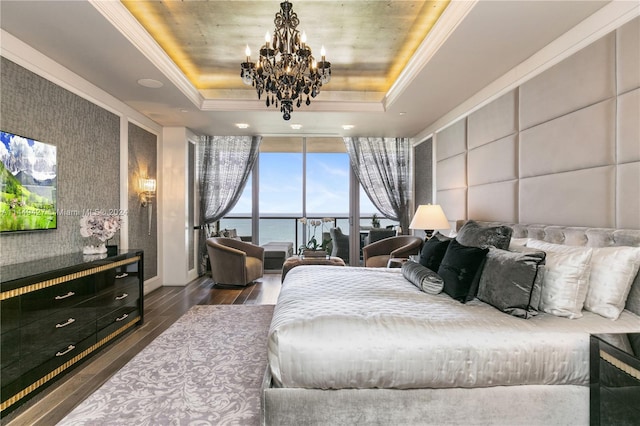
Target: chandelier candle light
{"points": [[286, 69]]}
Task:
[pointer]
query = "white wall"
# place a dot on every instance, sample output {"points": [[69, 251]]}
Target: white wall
{"points": [[175, 203]]}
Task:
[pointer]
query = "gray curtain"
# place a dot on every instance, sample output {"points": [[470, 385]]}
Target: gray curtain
{"points": [[382, 166], [224, 164]]}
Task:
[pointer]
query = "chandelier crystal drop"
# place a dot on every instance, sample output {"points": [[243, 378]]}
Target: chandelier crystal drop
{"points": [[286, 71]]}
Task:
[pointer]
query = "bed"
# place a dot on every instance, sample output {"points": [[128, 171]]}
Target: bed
{"points": [[367, 346]]}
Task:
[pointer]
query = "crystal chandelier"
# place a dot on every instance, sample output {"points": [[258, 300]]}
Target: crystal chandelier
{"points": [[286, 70]]}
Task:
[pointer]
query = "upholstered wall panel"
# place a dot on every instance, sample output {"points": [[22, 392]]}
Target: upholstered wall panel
{"points": [[583, 79], [628, 196], [572, 157], [579, 198], [629, 127], [451, 140], [143, 160], [453, 203], [423, 172], [628, 56], [494, 202], [87, 140], [493, 121], [582, 139], [452, 172], [494, 162]]}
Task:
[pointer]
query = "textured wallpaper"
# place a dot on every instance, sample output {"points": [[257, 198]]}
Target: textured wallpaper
{"points": [[143, 160], [87, 139]]}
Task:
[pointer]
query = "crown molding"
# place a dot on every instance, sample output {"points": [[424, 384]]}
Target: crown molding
{"points": [[27, 57], [596, 26], [123, 21], [452, 16]]}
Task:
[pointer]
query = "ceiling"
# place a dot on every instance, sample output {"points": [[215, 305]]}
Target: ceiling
{"points": [[397, 65]]}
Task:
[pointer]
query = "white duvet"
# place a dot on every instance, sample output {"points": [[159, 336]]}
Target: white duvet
{"points": [[340, 327]]}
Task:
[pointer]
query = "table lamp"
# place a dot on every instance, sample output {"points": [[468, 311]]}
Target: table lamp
{"points": [[429, 217]]}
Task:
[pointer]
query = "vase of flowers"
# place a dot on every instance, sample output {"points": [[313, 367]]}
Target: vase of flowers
{"points": [[313, 244], [98, 226]]}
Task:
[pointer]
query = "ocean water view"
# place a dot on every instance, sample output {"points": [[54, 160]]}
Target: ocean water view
{"points": [[289, 229]]}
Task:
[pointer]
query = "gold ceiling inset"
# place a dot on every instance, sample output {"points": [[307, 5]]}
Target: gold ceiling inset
{"points": [[369, 42]]}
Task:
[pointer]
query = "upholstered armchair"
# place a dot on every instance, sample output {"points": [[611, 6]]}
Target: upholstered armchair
{"points": [[378, 254], [340, 244], [234, 262], [377, 234]]}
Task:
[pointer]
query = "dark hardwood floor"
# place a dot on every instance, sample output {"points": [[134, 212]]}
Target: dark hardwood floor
{"points": [[162, 307]]}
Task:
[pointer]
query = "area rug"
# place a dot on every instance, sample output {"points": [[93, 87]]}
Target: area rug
{"points": [[205, 369]]}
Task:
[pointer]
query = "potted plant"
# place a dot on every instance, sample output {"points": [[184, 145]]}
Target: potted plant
{"points": [[375, 222]]}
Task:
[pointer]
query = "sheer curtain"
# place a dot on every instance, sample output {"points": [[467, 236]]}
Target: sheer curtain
{"points": [[382, 166], [224, 164]]}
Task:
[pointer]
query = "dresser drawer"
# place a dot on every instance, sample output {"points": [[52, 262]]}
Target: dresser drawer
{"points": [[42, 339], [10, 359], [10, 314], [39, 304], [54, 357], [116, 319], [116, 297]]}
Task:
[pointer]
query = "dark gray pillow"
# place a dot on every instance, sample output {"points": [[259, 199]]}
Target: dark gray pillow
{"points": [[508, 281], [423, 278], [432, 253], [472, 234], [460, 268]]}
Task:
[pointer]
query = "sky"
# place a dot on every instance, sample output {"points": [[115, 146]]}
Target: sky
{"points": [[281, 185]]}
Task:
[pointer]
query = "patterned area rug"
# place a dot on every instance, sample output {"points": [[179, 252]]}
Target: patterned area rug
{"points": [[205, 369]]}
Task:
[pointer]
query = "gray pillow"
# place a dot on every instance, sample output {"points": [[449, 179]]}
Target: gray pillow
{"points": [[472, 234], [423, 278], [509, 281]]}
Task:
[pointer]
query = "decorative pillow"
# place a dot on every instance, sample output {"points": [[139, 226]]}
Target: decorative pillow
{"points": [[566, 278], [432, 252], [459, 268], [508, 281], [473, 234], [612, 272], [423, 278]]}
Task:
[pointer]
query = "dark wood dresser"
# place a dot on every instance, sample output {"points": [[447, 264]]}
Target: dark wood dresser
{"points": [[615, 379], [56, 312]]}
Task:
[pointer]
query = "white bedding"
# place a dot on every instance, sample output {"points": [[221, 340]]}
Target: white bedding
{"points": [[342, 327]]}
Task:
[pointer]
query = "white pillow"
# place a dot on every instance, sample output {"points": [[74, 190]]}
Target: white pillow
{"points": [[566, 278], [612, 272]]}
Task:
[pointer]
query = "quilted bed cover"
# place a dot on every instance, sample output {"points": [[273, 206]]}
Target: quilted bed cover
{"points": [[336, 328]]}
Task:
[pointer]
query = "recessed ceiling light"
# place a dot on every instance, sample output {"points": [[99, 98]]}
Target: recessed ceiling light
{"points": [[151, 83], [296, 126], [402, 113], [348, 126], [242, 125]]}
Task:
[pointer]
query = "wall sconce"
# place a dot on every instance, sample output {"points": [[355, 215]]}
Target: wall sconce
{"points": [[147, 192]]}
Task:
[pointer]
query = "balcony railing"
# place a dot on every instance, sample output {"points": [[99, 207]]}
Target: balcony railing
{"points": [[287, 228]]}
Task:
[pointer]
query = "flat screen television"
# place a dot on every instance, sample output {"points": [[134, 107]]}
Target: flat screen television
{"points": [[28, 184]]}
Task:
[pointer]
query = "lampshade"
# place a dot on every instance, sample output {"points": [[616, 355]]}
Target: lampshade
{"points": [[429, 217], [148, 185]]}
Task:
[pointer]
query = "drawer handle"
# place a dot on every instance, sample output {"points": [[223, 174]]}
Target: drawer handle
{"points": [[64, 324], [69, 349], [122, 317], [65, 296], [122, 275], [124, 296]]}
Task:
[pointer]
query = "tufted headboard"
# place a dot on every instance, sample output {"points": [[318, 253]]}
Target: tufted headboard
{"points": [[579, 236]]}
